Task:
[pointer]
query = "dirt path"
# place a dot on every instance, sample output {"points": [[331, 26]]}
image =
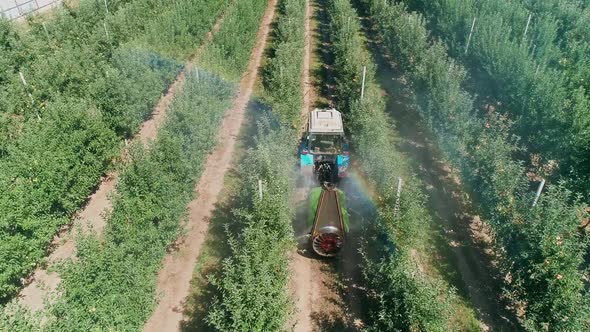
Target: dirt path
{"points": [[301, 275], [176, 273], [463, 254], [91, 217]]}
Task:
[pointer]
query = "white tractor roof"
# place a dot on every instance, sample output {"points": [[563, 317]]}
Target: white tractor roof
{"points": [[325, 121]]}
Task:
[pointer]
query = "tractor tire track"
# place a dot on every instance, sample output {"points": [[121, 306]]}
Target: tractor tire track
{"points": [[42, 282], [177, 270]]}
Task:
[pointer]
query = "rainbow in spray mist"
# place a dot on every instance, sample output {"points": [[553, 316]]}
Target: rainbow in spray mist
{"points": [[360, 205]]}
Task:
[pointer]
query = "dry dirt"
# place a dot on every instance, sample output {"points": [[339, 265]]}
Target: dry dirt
{"points": [[91, 217], [176, 273]]}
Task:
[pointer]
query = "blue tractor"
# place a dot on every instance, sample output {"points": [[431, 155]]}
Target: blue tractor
{"points": [[324, 150]]}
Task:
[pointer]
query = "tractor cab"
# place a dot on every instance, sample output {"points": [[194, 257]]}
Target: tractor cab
{"points": [[324, 149]]}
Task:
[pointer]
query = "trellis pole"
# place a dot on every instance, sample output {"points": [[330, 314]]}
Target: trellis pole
{"points": [[526, 29], [397, 196], [363, 83], [541, 185], [22, 79], [470, 35], [538, 67], [46, 31], [260, 189]]}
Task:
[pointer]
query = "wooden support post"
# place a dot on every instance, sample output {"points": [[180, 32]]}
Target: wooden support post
{"points": [[260, 189], [537, 70], [22, 78]]}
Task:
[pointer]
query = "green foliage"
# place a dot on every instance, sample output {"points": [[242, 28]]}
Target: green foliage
{"points": [[406, 300], [542, 250], [229, 53], [539, 78], [546, 253], [349, 55], [166, 36], [403, 298], [253, 281], [46, 174], [88, 92], [252, 284], [281, 81], [111, 284], [127, 96]]}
